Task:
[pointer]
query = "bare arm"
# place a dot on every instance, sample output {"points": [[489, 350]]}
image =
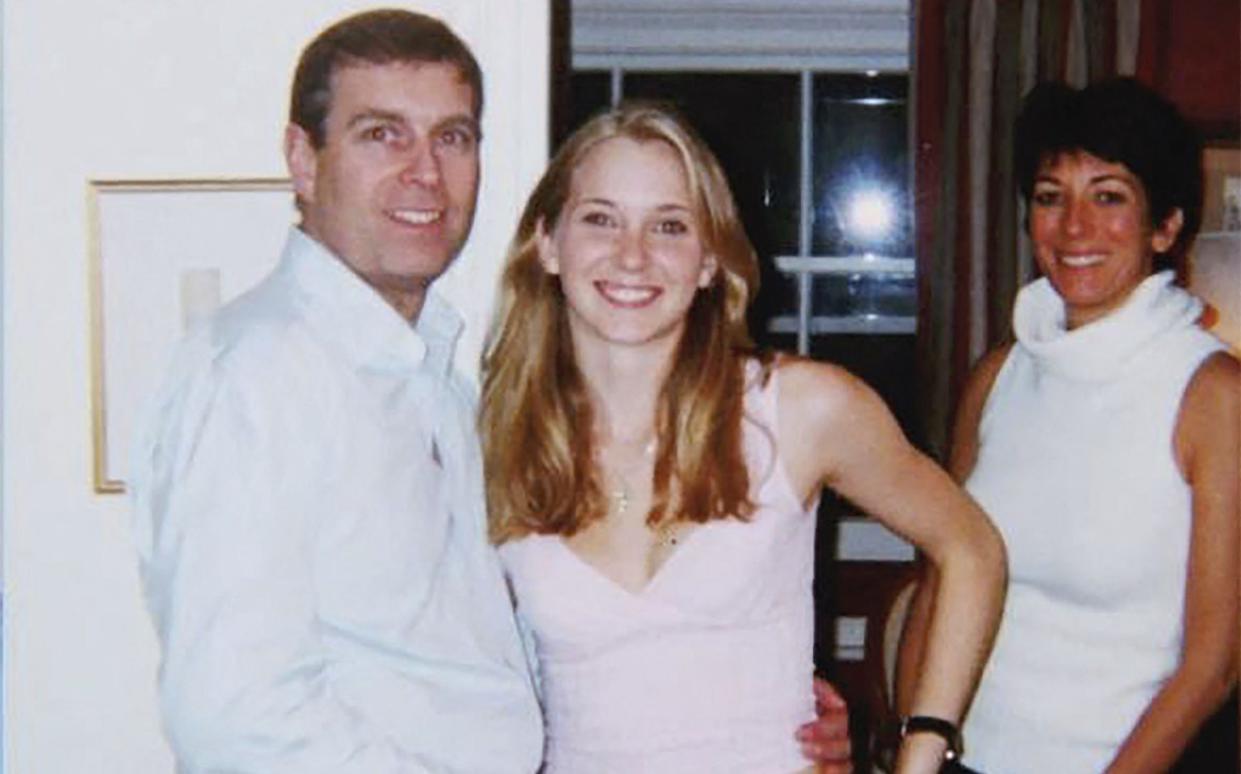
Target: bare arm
{"points": [[835, 431], [962, 454], [1207, 449]]}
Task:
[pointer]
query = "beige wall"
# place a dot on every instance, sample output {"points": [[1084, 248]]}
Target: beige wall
{"points": [[155, 89]]}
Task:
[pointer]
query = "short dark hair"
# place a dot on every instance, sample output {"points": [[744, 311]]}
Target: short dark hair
{"points": [[1121, 121], [377, 37]]}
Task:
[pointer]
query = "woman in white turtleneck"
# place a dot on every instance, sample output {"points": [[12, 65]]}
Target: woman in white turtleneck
{"points": [[1103, 442]]}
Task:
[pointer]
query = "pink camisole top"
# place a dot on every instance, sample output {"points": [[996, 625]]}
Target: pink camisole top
{"points": [[709, 667]]}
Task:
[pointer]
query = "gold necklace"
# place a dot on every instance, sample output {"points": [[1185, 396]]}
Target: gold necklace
{"points": [[620, 496], [620, 493], [667, 532]]}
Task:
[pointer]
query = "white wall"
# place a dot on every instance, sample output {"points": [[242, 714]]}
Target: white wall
{"points": [[155, 89]]}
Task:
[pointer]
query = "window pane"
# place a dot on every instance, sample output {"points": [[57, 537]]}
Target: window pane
{"points": [[861, 201], [886, 363], [589, 92], [861, 205], [883, 295]]}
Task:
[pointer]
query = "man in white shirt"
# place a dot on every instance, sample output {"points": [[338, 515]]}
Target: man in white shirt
{"points": [[308, 490]]}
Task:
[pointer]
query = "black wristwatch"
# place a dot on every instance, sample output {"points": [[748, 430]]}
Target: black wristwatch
{"points": [[925, 724]]}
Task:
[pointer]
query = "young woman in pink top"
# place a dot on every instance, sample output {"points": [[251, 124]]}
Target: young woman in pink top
{"points": [[652, 479]]}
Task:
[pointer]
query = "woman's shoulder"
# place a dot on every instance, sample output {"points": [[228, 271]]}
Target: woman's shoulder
{"points": [[986, 369], [1216, 384], [803, 379], [519, 550], [1209, 413], [1222, 367], [821, 401]]}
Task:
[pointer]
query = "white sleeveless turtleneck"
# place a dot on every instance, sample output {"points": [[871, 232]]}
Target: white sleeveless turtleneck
{"points": [[1076, 467]]}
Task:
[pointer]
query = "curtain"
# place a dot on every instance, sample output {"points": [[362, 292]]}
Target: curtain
{"points": [[973, 60]]}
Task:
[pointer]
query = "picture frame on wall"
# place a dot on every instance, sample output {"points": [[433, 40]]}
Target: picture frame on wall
{"points": [[164, 255]]}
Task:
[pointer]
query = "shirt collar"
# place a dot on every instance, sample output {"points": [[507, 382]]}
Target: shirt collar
{"points": [[347, 310]]}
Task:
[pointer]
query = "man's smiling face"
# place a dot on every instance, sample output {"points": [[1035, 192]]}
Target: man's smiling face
{"points": [[392, 189]]}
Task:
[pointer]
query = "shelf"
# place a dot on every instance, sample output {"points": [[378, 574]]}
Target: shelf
{"points": [[872, 324], [843, 264]]}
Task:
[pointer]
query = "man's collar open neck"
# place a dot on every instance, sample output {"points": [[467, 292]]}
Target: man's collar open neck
{"points": [[353, 311], [406, 296], [407, 302]]}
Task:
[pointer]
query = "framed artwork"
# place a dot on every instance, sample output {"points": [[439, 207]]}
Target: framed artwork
{"points": [[163, 255]]}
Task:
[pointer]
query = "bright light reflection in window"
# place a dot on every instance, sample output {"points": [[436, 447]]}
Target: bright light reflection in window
{"points": [[871, 216]]}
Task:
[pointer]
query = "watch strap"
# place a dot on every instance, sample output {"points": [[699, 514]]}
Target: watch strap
{"points": [[927, 724]]}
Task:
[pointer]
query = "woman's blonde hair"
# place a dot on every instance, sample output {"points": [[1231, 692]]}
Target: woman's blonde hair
{"points": [[536, 418]]}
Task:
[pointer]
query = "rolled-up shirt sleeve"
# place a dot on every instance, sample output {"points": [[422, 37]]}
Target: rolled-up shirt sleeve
{"points": [[227, 523]]}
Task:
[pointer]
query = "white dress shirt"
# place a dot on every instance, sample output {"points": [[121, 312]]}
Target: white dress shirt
{"points": [[311, 528]]}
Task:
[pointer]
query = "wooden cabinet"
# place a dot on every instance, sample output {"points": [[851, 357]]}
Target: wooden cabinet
{"points": [[1190, 51]]}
